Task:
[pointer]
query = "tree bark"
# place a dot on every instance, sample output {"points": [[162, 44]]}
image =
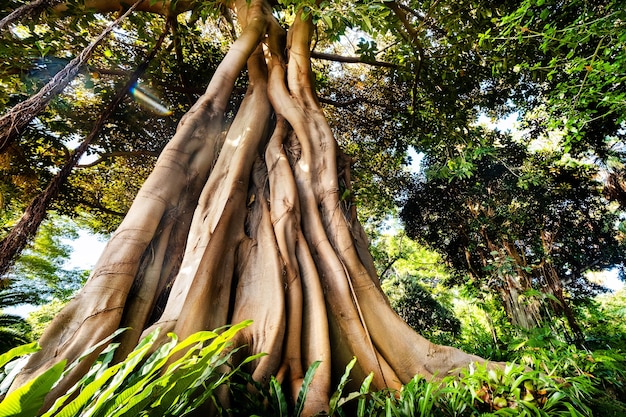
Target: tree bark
{"points": [[249, 224]]}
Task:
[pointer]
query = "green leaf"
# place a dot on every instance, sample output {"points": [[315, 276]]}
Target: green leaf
{"points": [[328, 20], [94, 372], [308, 378], [182, 379], [279, 397], [139, 381], [368, 23], [28, 399], [207, 393], [365, 387], [140, 401], [94, 348], [18, 351], [96, 392], [334, 399], [87, 393], [132, 360]]}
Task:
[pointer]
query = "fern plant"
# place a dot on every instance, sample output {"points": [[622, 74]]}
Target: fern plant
{"points": [[179, 377], [173, 380], [508, 391]]}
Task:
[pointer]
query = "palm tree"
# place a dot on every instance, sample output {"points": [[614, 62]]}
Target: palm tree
{"points": [[14, 330]]}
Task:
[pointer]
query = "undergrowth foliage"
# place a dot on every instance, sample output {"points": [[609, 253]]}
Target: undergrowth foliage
{"points": [[182, 376], [512, 391], [176, 378]]}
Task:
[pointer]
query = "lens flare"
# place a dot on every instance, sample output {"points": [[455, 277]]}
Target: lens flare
{"points": [[149, 101]]}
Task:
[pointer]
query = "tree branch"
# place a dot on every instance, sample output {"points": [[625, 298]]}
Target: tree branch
{"points": [[388, 266], [178, 48], [161, 7], [25, 10], [350, 59], [107, 71], [101, 71], [354, 101], [412, 37], [15, 120], [106, 156]]}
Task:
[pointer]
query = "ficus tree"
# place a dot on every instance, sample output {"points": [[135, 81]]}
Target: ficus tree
{"points": [[251, 218], [527, 224]]}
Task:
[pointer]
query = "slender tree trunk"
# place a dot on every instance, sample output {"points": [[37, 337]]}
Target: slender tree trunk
{"points": [[28, 9], [521, 310], [249, 224], [26, 228], [19, 116], [556, 289]]}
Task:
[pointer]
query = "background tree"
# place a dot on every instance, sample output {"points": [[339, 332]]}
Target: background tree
{"points": [[39, 277], [413, 278], [527, 225], [14, 330], [40, 273]]}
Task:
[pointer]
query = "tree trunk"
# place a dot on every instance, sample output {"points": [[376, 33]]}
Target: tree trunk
{"points": [[522, 311], [249, 224]]}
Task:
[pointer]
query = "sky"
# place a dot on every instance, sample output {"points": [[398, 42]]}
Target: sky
{"points": [[86, 250]]}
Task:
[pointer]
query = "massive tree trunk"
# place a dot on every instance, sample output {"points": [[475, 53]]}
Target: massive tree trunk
{"points": [[248, 223]]}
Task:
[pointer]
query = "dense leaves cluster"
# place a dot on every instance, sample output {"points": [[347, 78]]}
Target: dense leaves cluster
{"points": [[573, 54], [529, 221]]}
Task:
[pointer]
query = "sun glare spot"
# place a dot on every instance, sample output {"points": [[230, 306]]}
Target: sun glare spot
{"points": [[21, 32], [149, 100], [234, 142]]}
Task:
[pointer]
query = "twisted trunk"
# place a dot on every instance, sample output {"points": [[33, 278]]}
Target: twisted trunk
{"points": [[249, 224]]}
